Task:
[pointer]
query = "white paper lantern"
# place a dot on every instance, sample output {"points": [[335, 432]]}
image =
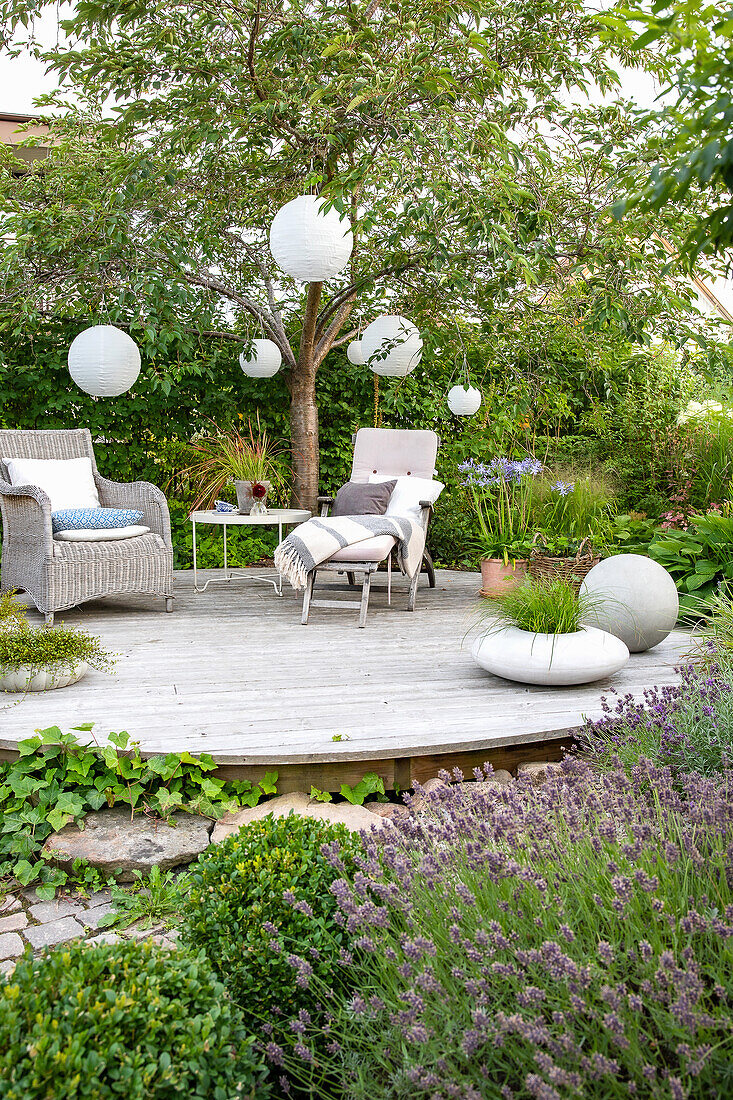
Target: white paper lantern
{"points": [[104, 361], [464, 400], [263, 361], [355, 353], [308, 243], [391, 346]]}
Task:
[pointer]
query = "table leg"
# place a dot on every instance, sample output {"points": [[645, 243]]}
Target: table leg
{"points": [[195, 573], [225, 552], [279, 584]]}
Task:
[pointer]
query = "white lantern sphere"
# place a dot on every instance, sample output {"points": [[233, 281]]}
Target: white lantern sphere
{"points": [[263, 361], [464, 400], [391, 346], [355, 353], [308, 243], [104, 361]]}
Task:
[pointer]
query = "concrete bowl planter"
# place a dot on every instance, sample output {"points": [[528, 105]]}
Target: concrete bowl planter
{"points": [[556, 660], [24, 678]]}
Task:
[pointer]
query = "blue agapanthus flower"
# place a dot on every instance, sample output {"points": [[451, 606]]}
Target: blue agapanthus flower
{"points": [[498, 471], [564, 488]]}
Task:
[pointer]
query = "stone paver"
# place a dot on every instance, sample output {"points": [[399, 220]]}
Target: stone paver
{"points": [[9, 904], [539, 770], [56, 931], [7, 967], [14, 922], [92, 917], [99, 897], [105, 937], [11, 945], [45, 911]]}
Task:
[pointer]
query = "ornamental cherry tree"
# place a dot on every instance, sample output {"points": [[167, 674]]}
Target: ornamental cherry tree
{"points": [[181, 127]]}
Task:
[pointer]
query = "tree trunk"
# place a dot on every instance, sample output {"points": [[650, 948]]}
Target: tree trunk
{"points": [[304, 411], [304, 437]]}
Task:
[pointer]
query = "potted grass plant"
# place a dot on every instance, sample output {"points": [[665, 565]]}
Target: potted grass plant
{"points": [[571, 518], [533, 633], [248, 458], [501, 492], [41, 659]]}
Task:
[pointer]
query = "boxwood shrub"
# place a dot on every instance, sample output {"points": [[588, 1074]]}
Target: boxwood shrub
{"points": [[264, 895], [128, 1019]]}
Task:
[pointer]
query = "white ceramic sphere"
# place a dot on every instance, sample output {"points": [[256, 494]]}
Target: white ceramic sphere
{"points": [[263, 361], [391, 346], [464, 400], [104, 361], [550, 659], [355, 354], [309, 243], [634, 598]]}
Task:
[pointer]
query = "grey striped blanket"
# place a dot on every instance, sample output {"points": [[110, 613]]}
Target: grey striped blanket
{"points": [[316, 540]]}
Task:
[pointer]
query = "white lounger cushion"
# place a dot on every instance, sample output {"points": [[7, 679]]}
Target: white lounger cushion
{"points": [[376, 549], [67, 482], [102, 534], [408, 492]]}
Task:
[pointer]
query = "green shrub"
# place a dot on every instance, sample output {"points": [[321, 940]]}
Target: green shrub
{"points": [[700, 558], [236, 909], [129, 1020]]}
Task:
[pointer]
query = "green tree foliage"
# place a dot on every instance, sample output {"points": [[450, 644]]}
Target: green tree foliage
{"points": [[693, 146], [442, 130]]}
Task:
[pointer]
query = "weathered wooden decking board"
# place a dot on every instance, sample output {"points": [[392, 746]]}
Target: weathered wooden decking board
{"points": [[232, 672]]}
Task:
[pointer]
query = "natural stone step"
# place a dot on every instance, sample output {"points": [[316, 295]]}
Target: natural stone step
{"points": [[353, 817], [119, 846]]}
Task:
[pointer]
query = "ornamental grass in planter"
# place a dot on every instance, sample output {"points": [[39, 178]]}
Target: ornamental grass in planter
{"points": [[39, 659], [247, 458], [571, 515], [535, 635]]}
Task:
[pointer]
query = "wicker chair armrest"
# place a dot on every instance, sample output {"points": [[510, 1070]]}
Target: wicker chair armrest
{"points": [[142, 496], [325, 503], [26, 512]]}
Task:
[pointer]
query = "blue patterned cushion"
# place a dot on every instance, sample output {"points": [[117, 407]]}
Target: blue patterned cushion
{"points": [[83, 519]]}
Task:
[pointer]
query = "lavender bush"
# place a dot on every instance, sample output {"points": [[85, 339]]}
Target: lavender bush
{"points": [[571, 940], [688, 726]]}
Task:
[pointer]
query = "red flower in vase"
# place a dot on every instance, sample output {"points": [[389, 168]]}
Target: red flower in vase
{"points": [[259, 491]]}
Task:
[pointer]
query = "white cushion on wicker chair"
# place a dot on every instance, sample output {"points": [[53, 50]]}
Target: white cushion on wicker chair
{"points": [[67, 482], [101, 534]]}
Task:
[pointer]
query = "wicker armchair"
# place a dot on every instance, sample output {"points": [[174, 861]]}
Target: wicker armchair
{"points": [[58, 575]]}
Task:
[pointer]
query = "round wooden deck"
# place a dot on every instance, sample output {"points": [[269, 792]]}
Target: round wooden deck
{"points": [[233, 673]]}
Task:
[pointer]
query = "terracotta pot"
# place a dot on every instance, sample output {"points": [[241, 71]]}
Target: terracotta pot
{"points": [[496, 577]]}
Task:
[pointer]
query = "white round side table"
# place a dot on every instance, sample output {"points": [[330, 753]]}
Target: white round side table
{"points": [[275, 517]]}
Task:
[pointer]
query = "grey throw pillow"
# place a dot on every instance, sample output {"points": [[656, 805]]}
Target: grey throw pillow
{"points": [[361, 499]]}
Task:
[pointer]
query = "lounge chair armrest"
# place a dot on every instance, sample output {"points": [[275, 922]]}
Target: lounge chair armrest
{"points": [[142, 496], [325, 503], [26, 512]]}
